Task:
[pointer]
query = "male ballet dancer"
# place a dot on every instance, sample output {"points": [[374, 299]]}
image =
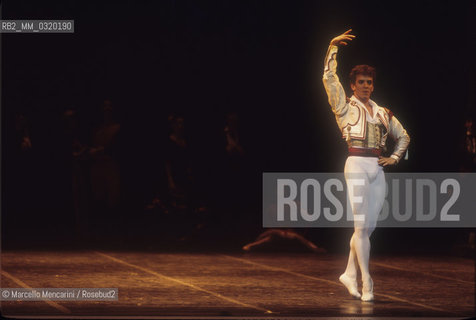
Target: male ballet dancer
{"points": [[365, 126]]}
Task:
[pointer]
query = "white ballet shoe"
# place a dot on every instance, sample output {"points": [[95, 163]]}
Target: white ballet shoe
{"points": [[367, 290], [350, 284]]}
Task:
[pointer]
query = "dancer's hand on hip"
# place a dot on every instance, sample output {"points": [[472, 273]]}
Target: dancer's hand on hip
{"points": [[386, 161]]}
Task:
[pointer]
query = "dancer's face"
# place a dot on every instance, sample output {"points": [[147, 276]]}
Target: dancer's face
{"points": [[363, 87]]}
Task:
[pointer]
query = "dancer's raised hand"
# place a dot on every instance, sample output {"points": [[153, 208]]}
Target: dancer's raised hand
{"points": [[343, 38]]}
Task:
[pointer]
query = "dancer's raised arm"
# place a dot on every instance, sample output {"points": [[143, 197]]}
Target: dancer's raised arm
{"points": [[334, 89]]}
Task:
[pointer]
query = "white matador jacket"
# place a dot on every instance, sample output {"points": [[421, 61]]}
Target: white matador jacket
{"points": [[351, 114]]}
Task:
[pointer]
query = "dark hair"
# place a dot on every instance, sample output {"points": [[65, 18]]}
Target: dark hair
{"points": [[362, 69]]}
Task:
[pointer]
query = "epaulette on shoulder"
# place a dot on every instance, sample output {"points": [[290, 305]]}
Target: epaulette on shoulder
{"points": [[390, 113]]}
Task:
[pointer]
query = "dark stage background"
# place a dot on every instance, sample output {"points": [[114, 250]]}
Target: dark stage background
{"points": [[201, 60]]}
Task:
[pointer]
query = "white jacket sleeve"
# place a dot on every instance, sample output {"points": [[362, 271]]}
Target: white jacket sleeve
{"points": [[400, 135], [334, 89]]}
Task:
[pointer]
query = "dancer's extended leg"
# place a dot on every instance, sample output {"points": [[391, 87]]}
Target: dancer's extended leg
{"points": [[349, 277], [376, 198], [362, 251], [359, 172], [355, 177], [351, 270]]}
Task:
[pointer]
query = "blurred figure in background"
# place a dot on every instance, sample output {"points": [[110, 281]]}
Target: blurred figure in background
{"points": [[80, 178], [18, 171], [233, 146], [22, 132], [105, 170], [178, 165], [468, 157], [233, 193], [468, 164]]}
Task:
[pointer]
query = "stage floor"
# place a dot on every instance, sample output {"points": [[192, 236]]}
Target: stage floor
{"points": [[237, 285]]}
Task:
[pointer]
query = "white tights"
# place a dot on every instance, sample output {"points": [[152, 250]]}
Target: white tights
{"points": [[372, 194]]}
